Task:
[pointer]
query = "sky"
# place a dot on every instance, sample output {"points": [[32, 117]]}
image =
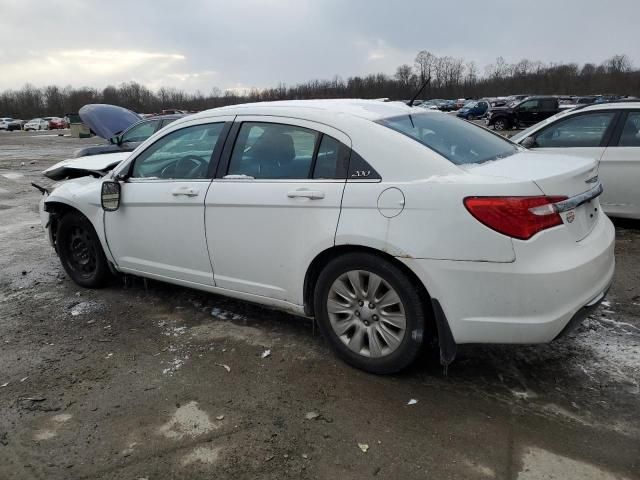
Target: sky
{"points": [[238, 44]]}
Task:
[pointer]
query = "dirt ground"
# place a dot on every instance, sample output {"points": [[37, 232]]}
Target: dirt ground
{"points": [[154, 381]]}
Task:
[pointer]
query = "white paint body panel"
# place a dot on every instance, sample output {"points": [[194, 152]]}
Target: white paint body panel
{"points": [[248, 239], [619, 171]]}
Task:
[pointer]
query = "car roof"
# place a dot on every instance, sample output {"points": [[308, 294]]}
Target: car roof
{"points": [[367, 109], [609, 105]]}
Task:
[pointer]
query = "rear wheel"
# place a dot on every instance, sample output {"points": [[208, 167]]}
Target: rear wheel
{"points": [[370, 312], [80, 251]]}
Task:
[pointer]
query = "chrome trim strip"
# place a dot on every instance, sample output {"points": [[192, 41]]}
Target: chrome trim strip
{"points": [[575, 202]]}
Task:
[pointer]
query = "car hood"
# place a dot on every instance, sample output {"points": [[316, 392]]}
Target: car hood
{"points": [[107, 120], [95, 165]]}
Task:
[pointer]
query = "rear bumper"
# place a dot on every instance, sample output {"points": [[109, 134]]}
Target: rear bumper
{"points": [[531, 300]]}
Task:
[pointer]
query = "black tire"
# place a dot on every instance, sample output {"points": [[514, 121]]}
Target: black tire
{"points": [[413, 339], [80, 251], [501, 124]]}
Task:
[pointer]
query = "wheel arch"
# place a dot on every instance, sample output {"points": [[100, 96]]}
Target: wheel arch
{"points": [[324, 257], [57, 207]]}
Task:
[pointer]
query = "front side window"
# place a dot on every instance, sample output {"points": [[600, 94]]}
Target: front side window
{"points": [[578, 131], [458, 141], [182, 154], [273, 151], [529, 105], [630, 136], [140, 132]]}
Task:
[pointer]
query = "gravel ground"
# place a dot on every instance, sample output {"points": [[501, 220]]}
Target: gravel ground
{"points": [[154, 381]]}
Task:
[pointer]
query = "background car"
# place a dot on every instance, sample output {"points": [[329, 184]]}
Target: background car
{"points": [[37, 124], [57, 123], [474, 109], [10, 124], [122, 128], [606, 132]]}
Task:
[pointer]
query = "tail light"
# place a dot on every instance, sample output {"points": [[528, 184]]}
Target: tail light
{"points": [[517, 217]]}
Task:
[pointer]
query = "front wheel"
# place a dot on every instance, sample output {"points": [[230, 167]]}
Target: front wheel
{"points": [[501, 124], [80, 251], [370, 312]]}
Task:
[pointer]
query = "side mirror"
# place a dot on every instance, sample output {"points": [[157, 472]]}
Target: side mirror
{"points": [[529, 142], [110, 197], [115, 140]]}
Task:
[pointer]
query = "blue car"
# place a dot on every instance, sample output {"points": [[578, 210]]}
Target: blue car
{"points": [[473, 109]]}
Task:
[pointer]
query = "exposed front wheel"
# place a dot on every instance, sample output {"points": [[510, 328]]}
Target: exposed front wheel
{"points": [[80, 251], [370, 312]]}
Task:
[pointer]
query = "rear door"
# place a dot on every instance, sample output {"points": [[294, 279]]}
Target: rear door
{"points": [[274, 204], [158, 230], [620, 168]]}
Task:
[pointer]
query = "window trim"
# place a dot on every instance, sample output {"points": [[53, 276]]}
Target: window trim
{"points": [[606, 137], [213, 160]]}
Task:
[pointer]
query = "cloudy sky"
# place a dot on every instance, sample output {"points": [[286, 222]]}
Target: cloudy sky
{"points": [[198, 44]]}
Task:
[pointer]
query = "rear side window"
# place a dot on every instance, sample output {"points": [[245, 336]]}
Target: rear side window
{"points": [[273, 150], [630, 136], [458, 141], [548, 105], [332, 159], [586, 130], [279, 151]]}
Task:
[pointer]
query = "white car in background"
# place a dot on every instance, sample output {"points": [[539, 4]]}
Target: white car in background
{"points": [[391, 225], [606, 132], [37, 124]]}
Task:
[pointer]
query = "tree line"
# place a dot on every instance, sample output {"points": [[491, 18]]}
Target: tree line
{"points": [[450, 78]]}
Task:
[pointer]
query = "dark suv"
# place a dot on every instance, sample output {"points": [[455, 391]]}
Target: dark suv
{"points": [[529, 111]]}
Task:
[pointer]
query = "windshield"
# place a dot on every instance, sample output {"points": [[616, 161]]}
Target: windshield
{"points": [[458, 141], [470, 104]]}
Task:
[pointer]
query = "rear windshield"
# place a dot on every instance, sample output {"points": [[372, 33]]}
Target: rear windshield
{"points": [[456, 140]]}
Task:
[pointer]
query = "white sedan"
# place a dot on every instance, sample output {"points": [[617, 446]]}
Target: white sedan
{"points": [[37, 124], [391, 225], [606, 132]]}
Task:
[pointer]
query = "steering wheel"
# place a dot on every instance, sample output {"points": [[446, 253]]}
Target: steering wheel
{"points": [[185, 167]]}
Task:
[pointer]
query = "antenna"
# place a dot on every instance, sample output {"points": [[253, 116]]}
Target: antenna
{"points": [[419, 92]]}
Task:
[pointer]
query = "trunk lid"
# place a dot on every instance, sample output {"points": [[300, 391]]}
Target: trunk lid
{"points": [[107, 120], [554, 175]]}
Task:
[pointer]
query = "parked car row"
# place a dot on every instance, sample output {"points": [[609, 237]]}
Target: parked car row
{"points": [[44, 123]]}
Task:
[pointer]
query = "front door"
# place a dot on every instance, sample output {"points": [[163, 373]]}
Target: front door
{"points": [[158, 230], [275, 204]]}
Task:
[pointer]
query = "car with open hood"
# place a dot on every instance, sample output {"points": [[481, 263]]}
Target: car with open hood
{"points": [[393, 226], [123, 129]]}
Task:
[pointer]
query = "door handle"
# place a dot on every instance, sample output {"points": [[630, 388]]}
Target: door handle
{"points": [[310, 194], [186, 191]]}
